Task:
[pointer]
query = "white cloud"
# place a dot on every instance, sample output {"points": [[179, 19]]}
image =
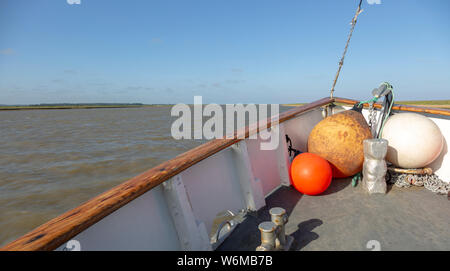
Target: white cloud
{"points": [[371, 2], [71, 2]]}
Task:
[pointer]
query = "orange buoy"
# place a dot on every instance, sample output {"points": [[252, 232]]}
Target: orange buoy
{"points": [[310, 173], [339, 139]]}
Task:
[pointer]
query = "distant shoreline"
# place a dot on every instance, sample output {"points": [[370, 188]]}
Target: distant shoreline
{"points": [[445, 104], [432, 103], [53, 107]]}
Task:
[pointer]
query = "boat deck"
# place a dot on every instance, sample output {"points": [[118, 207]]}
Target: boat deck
{"points": [[346, 218]]}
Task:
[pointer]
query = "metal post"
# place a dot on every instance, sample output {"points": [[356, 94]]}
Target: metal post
{"points": [[268, 236], [273, 235], [279, 218]]}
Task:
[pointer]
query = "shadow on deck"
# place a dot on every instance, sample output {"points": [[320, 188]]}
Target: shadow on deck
{"points": [[346, 218]]}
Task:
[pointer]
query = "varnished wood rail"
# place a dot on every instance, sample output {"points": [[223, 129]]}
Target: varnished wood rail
{"points": [[61, 229]]}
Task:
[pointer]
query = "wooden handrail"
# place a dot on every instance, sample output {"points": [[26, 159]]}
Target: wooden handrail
{"points": [[59, 230], [401, 107]]}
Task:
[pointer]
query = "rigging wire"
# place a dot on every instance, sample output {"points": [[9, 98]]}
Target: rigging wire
{"points": [[341, 63]]}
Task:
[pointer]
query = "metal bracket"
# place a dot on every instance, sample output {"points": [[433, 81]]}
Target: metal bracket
{"points": [[327, 110], [191, 233], [381, 91], [251, 188], [222, 233]]}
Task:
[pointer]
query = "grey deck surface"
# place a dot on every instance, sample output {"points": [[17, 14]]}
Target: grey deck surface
{"points": [[346, 218]]}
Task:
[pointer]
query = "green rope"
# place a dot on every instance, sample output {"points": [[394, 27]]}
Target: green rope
{"points": [[373, 100], [356, 178]]}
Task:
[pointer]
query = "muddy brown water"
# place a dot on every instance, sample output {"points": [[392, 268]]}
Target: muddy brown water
{"points": [[53, 160]]}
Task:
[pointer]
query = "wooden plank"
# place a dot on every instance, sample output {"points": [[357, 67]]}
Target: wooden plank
{"points": [[401, 107], [59, 230]]}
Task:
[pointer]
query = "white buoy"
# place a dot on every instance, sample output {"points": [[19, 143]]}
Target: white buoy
{"points": [[414, 140]]}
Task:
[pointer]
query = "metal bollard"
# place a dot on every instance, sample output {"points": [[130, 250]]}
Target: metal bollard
{"points": [[279, 218], [273, 236], [268, 236]]}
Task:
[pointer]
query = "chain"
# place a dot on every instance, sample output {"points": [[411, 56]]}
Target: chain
{"points": [[372, 119], [372, 116], [430, 182]]}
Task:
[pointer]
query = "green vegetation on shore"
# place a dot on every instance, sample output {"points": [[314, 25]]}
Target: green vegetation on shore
{"points": [[76, 106], [430, 103], [294, 104]]}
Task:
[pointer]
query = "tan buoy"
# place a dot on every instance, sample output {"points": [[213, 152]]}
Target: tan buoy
{"points": [[339, 139]]}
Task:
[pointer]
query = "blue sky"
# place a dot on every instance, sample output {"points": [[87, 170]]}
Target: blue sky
{"points": [[228, 51]]}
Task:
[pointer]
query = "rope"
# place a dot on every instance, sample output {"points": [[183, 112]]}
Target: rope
{"points": [[291, 150], [373, 100], [356, 178], [341, 63]]}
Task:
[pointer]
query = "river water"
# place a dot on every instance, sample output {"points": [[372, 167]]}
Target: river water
{"points": [[53, 160]]}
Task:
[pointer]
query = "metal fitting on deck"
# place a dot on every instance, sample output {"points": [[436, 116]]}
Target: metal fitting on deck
{"points": [[327, 110], [273, 236], [268, 231], [419, 171]]}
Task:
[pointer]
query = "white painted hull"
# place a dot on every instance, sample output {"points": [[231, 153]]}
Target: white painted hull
{"points": [[180, 213]]}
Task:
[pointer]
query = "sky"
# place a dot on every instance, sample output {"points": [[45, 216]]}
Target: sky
{"points": [[228, 51]]}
